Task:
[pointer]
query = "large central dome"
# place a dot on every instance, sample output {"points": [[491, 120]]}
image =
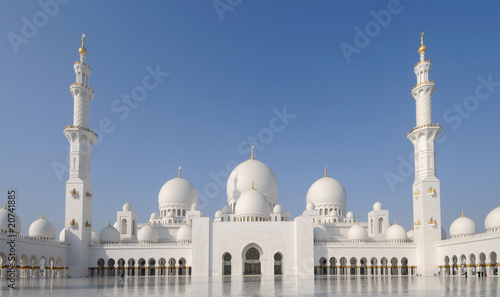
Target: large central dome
{"points": [[250, 171], [327, 192], [177, 191]]}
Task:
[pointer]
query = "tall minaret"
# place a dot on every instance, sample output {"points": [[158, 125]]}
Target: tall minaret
{"points": [[426, 191], [78, 217]]}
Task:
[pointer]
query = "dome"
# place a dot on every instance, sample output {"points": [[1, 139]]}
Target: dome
{"points": [[109, 234], [252, 204], [43, 228], [194, 206], [127, 207], [154, 216], [62, 235], [95, 236], [277, 209], [320, 233], [171, 214], [4, 220], [462, 226], [409, 234], [327, 191], [350, 215], [310, 206], [492, 221], [218, 214], [226, 209], [184, 233], [377, 206], [147, 233], [286, 214], [250, 171], [357, 233], [396, 233], [178, 191]]}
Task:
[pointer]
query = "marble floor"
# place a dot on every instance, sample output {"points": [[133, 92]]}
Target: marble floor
{"points": [[386, 286]]}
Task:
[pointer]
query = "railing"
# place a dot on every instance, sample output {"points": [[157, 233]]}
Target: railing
{"points": [[467, 238], [82, 85], [7, 235], [132, 244], [423, 61], [423, 83], [365, 243], [80, 62], [80, 128], [424, 126]]}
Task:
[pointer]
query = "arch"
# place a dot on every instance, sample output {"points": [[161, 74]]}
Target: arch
{"points": [[43, 263], [134, 227], [404, 266], [383, 266], [454, 261], [131, 267], [121, 267], [278, 264], [371, 226], [472, 260], [373, 264], [182, 266], [394, 266], [380, 225], [142, 267], [447, 265], [111, 267], [100, 267], [151, 266], [353, 261], [343, 266], [493, 263], [178, 212], [226, 264], [482, 263], [161, 264], [362, 266], [333, 266], [252, 262], [124, 226], [171, 266]]}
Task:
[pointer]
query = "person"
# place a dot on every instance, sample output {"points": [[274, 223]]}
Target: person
{"points": [[466, 274], [122, 276]]}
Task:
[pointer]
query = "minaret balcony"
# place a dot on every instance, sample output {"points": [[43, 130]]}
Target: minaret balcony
{"points": [[416, 194], [83, 63], [424, 126], [419, 62], [73, 224], [431, 192], [432, 222], [80, 128], [74, 193], [423, 83], [81, 85], [418, 224], [88, 194]]}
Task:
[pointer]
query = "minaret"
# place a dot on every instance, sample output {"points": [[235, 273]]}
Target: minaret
{"points": [[78, 217], [426, 190]]}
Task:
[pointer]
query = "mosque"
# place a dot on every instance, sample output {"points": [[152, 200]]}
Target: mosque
{"points": [[252, 234]]}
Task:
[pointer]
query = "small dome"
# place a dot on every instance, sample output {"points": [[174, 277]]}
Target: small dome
{"points": [[396, 233], [43, 228], [357, 233], [194, 206], [218, 214], [184, 234], [62, 235], [4, 220], [327, 191], [154, 216], [377, 206], [320, 233], [226, 209], [252, 204], [177, 191], [171, 214], [492, 221], [350, 215], [109, 234], [277, 209], [147, 233], [462, 226], [127, 207], [286, 214], [95, 236], [243, 175], [310, 206], [409, 234]]}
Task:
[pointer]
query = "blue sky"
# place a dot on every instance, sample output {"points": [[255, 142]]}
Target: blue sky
{"points": [[229, 73]]}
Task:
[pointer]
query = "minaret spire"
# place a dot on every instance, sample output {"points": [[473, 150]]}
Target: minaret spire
{"points": [[251, 156], [179, 173]]}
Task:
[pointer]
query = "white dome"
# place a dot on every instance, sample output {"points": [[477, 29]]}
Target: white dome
{"points": [[62, 235], [320, 233], [184, 234], [377, 206], [171, 214], [95, 236], [250, 171], [395, 233], [310, 206], [462, 226], [127, 207], [109, 234], [4, 220], [147, 233], [194, 206], [492, 221], [327, 191], [252, 204], [226, 209], [357, 233], [218, 214], [277, 209], [350, 215], [409, 234], [43, 228], [177, 191], [154, 216]]}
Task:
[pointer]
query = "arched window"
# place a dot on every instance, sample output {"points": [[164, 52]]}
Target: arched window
{"points": [[184, 212], [134, 227], [178, 212], [380, 225], [321, 212], [124, 226], [326, 211], [226, 260], [278, 258], [371, 226]]}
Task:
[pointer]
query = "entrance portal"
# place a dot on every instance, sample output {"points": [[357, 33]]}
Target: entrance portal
{"points": [[252, 262]]}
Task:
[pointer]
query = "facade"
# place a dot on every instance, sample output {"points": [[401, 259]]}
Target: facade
{"points": [[252, 233]]}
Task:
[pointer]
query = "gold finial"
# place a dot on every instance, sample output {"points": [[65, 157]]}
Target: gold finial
{"points": [[252, 188], [251, 157], [109, 223], [325, 171], [93, 229], [395, 223], [5, 205], [179, 174], [83, 50], [462, 213], [356, 222], [422, 47], [43, 216]]}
